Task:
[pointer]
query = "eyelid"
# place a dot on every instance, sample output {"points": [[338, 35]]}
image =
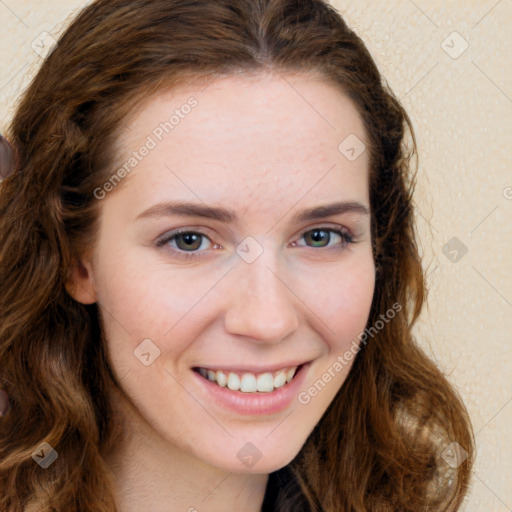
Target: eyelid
{"points": [[170, 235]]}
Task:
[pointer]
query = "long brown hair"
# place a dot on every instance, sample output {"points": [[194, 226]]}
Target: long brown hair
{"points": [[380, 445]]}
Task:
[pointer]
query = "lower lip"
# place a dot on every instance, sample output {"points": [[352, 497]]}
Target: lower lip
{"points": [[255, 404]]}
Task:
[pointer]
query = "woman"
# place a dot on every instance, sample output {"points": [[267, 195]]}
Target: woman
{"points": [[269, 367]]}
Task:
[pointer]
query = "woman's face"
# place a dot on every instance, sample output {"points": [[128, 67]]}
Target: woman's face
{"points": [[264, 286]]}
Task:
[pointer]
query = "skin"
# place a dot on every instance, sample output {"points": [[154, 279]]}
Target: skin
{"points": [[265, 146]]}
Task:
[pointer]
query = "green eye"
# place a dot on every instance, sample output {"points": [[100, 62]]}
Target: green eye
{"points": [[319, 235], [187, 243]]}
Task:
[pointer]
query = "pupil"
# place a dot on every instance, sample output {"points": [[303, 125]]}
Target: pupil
{"points": [[189, 239], [317, 235]]}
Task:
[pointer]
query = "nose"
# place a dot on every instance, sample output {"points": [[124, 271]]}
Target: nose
{"points": [[261, 305]]}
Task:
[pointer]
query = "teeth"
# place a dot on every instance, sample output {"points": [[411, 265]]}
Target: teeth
{"points": [[233, 382], [222, 380], [249, 382], [265, 383], [280, 380]]}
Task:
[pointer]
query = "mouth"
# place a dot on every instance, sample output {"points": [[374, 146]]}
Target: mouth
{"points": [[262, 392], [250, 382]]}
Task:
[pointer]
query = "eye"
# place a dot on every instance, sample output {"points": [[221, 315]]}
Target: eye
{"points": [[321, 235], [187, 243]]}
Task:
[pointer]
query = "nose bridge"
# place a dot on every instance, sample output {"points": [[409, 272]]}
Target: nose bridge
{"points": [[260, 305]]}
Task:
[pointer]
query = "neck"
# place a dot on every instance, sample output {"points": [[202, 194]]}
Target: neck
{"points": [[152, 473]]}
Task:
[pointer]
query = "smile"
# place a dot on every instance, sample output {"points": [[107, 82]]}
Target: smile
{"points": [[261, 392], [248, 382]]}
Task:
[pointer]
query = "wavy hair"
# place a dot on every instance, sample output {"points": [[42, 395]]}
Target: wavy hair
{"points": [[379, 446]]}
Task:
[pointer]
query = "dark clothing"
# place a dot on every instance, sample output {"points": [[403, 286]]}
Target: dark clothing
{"points": [[281, 488]]}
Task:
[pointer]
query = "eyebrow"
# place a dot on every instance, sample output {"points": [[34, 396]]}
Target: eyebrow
{"points": [[182, 208]]}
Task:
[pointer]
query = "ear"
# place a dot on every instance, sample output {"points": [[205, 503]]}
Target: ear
{"points": [[81, 284]]}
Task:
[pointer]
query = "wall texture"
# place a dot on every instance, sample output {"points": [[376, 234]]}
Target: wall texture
{"points": [[450, 64]]}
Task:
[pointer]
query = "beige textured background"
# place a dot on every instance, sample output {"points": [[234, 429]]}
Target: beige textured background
{"points": [[460, 104]]}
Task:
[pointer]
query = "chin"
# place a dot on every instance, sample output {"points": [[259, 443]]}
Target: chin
{"points": [[264, 461]]}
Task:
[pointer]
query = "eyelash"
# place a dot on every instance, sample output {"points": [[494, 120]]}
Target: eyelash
{"points": [[186, 255]]}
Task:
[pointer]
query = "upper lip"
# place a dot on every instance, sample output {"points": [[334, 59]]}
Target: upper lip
{"points": [[253, 369]]}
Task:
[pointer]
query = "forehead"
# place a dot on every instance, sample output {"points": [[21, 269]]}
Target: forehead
{"points": [[266, 135]]}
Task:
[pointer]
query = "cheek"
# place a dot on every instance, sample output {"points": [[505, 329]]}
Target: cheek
{"points": [[147, 299], [343, 311], [156, 302], [344, 301]]}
